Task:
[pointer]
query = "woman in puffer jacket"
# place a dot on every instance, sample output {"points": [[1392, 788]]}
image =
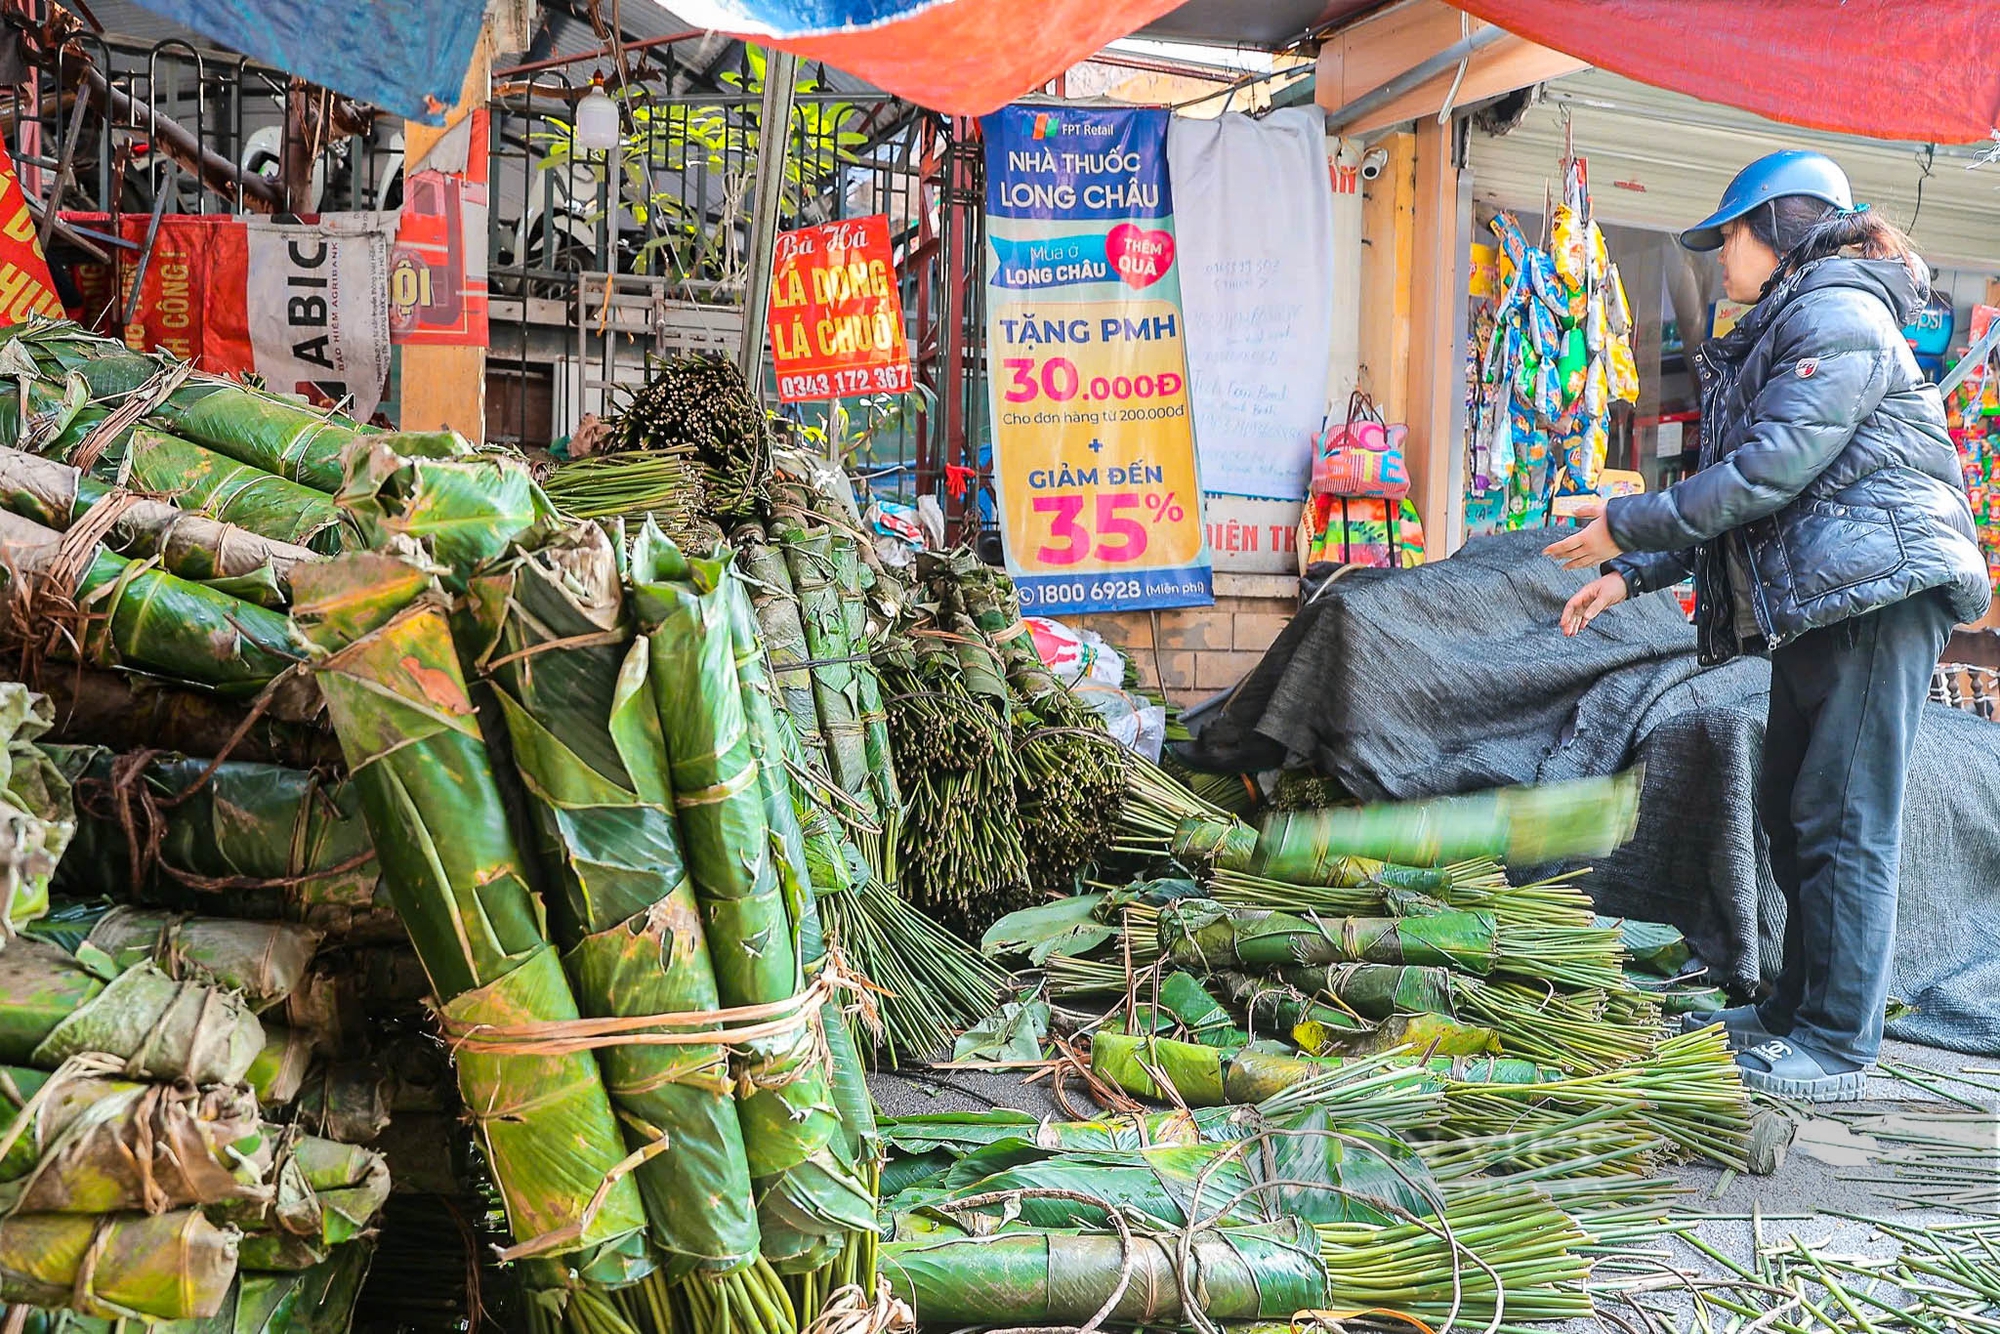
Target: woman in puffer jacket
{"points": [[1827, 527]]}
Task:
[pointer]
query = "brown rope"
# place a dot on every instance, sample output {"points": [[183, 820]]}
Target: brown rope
{"points": [[731, 1027], [78, 546], [137, 404]]}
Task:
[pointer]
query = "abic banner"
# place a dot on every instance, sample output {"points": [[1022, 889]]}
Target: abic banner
{"points": [[305, 305], [1093, 446]]}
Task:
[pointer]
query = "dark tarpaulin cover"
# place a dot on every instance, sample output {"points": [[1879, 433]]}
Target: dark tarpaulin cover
{"points": [[1453, 677], [405, 56], [1889, 69]]}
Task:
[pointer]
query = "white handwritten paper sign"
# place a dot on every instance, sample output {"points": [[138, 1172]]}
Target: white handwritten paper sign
{"points": [[1254, 221]]}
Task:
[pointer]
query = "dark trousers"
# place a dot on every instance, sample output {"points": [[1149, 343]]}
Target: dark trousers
{"points": [[1845, 703]]}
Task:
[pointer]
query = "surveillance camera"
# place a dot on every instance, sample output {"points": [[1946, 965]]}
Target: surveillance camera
{"points": [[1373, 162]]}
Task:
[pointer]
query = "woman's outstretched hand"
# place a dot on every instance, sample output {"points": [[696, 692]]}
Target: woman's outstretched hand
{"points": [[1600, 594], [1588, 546]]}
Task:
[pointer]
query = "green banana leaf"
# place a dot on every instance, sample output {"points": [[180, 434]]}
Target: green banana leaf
{"points": [[326, 1195], [398, 701], [464, 512], [571, 680], [781, 621], [835, 675], [154, 621], [96, 1145], [52, 1007], [264, 962], [193, 546], [169, 1266], [1069, 927], [37, 814], [1654, 946], [248, 823], [1519, 826], [205, 482], [1266, 1272]]}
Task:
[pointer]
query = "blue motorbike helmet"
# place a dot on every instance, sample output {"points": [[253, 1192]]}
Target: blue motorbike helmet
{"points": [[1789, 172]]}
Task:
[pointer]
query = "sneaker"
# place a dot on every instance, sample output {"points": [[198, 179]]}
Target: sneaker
{"points": [[1745, 1026], [1777, 1067]]}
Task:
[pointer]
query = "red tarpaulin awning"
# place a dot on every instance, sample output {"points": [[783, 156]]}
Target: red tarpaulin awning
{"points": [[1889, 69], [1927, 70]]}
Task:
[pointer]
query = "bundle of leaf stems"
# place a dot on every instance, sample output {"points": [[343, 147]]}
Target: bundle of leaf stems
{"points": [[1686, 1091], [960, 851], [1476, 886], [931, 984], [665, 483], [1156, 807], [1580, 1030], [1503, 1254]]}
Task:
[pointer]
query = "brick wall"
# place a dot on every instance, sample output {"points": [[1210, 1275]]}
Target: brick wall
{"points": [[1201, 650]]}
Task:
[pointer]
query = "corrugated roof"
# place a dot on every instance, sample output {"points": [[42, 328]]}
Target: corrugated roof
{"points": [[1268, 24]]}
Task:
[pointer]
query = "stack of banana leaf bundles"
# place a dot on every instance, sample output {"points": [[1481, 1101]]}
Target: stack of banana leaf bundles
{"points": [[564, 769], [1401, 1084]]}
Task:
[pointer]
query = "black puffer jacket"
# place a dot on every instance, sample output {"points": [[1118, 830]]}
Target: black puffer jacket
{"points": [[1825, 464]]}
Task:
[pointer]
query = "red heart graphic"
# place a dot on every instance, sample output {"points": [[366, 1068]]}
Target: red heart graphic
{"points": [[1140, 257]]}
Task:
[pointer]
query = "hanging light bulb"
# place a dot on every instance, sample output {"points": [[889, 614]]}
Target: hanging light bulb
{"points": [[597, 119]]}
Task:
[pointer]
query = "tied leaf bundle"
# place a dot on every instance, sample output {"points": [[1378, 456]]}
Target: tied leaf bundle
{"points": [[206, 482], [689, 612], [193, 546], [37, 811], [85, 1143], [434, 810], [1584, 1030], [1521, 826], [264, 962], [1683, 1096], [1259, 1272], [1210, 936], [125, 613], [169, 1266], [53, 1008], [265, 840], [276, 435], [571, 681]]}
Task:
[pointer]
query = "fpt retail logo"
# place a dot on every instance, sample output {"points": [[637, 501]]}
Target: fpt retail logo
{"points": [[1050, 126]]}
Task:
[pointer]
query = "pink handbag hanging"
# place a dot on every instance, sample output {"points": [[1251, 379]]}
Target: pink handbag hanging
{"points": [[1363, 457]]}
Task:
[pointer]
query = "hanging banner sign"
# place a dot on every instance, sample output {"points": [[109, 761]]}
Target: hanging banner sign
{"points": [[1254, 217], [25, 285], [303, 305], [1093, 445], [837, 312], [438, 277]]}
